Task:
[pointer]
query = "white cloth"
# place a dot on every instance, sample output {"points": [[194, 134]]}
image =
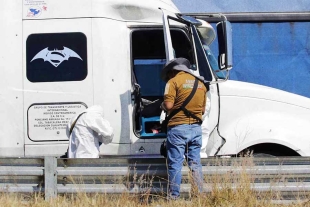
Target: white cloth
{"points": [[90, 129], [204, 127], [162, 116]]}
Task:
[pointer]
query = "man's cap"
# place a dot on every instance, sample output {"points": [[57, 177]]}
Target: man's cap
{"points": [[181, 64]]}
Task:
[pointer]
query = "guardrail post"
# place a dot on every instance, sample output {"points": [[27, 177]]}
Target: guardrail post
{"points": [[50, 177]]}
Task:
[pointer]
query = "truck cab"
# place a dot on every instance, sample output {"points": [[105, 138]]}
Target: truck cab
{"points": [[60, 57], [63, 57]]}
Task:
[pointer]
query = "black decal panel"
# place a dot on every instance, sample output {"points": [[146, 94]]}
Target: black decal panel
{"points": [[55, 57]]}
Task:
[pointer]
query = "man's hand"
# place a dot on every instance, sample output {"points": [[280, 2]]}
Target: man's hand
{"points": [[203, 110], [166, 106], [163, 107]]}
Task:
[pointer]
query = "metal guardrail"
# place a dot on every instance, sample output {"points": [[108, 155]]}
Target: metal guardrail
{"points": [[288, 176]]}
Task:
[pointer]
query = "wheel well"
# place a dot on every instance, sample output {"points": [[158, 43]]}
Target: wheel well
{"points": [[271, 149]]}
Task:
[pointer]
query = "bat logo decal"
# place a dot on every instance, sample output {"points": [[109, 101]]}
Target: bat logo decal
{"points": [[56, 57]]}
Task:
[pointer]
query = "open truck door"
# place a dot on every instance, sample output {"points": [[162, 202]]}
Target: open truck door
{"points": [[201, 34]]}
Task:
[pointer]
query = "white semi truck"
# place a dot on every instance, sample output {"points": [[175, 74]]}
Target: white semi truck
{"points": [[59, 57]]}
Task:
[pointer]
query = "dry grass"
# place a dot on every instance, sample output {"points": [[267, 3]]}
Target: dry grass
{"points": [[229, 190], [227, 198]]}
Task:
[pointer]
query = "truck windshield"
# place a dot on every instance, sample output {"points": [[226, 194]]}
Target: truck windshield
{"points": [[213, 63]]}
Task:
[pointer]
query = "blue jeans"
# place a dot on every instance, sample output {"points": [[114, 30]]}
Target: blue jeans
{"points": [[183, 140]]}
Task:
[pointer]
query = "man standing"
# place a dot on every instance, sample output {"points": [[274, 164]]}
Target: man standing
{"points": [[184, 127], [86, 130]]}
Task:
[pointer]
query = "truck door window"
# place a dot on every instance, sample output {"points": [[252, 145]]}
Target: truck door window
{"points": [[55, 57], [201, 62]]}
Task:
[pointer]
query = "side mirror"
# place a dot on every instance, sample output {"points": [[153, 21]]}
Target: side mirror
{"points": [[224, 34]]}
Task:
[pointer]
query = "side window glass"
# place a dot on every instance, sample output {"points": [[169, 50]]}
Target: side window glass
{"points": [[55, 57], [213, 63]]}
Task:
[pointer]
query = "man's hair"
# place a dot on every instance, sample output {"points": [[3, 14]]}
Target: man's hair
{"points": [[172, 73]]}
